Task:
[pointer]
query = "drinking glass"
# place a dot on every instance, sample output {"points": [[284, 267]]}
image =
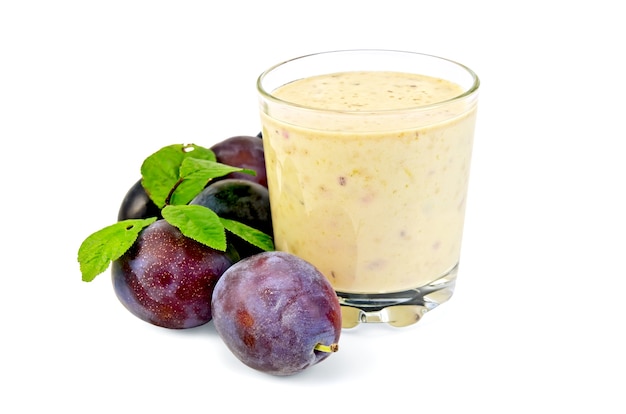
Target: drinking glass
{"points": [[368, 159]]}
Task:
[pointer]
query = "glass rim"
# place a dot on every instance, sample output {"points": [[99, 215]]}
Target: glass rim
{"points": [[473, 89]]}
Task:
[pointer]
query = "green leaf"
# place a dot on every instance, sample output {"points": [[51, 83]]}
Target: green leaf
{"points": [[208, 169], [197, 222], [194, 175], [160, 172], [100, 248], [249, 234]]}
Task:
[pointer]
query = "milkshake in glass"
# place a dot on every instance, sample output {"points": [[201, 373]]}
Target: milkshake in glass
{"points": [[368, 157]]}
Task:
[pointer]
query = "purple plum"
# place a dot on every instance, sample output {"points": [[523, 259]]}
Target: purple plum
{"points": [[277, 313], [243, 151], [167, 279]]}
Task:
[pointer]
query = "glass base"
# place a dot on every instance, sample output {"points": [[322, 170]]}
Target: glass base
{"points": [[397, 308]]}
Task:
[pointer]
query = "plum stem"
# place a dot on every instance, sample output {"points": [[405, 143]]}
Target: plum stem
{"points": [[326, 348], [171, 193]]}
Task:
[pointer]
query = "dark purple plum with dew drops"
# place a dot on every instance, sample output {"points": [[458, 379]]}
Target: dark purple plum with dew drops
{"points": [[241, 200], [272, 310], [243, 151], [167, 279]]}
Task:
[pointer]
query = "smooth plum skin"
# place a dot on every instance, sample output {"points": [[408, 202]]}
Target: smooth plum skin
{"points": [[241, 200], [167, 279], [243, 151], [272, 309], [137, 204]]}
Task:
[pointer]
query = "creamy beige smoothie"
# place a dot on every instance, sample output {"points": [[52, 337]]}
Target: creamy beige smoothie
{"points": [[373, 194]]}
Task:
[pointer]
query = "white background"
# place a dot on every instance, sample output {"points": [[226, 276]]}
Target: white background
{"points": [[88, 89]]}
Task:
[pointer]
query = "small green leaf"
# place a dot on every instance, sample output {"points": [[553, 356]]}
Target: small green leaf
{"points": [[249, 234], [197, 222], [208, 169], [100, 248], [194, 175], [160, 172]]}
